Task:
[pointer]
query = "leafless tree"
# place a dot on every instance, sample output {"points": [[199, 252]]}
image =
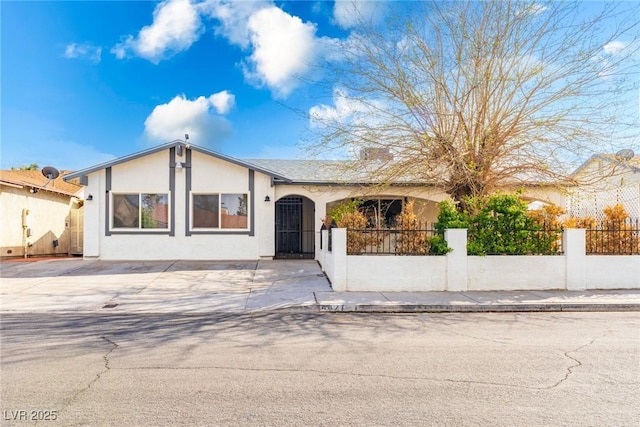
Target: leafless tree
{"points": [[476, 96]]}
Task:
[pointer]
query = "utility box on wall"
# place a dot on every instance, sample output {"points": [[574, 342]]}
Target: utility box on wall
{"points": [[76, 230]]}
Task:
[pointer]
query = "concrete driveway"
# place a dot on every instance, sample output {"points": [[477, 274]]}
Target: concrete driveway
{"points": [[58, 285]]}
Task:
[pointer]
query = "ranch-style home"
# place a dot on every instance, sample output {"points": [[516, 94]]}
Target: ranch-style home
{"points": [[182, 201]]}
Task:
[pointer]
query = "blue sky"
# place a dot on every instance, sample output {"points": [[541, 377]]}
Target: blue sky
{"points": [[84, 82]]}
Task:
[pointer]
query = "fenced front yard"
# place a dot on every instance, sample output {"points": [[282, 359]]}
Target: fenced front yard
{"points": [[604, 238], [577, 261]]}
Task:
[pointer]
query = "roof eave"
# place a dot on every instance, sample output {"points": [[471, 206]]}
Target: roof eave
{"points": [[79, 174], [16, 184], [358, 183]]}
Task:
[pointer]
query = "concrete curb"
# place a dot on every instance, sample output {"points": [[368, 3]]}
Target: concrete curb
{"points": [[478, 308], [369, 308]]}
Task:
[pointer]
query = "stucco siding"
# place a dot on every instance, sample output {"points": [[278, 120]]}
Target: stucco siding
{"points": [[389, 274], [516, 273], [204, 174], [613, 272], [48, 220]]}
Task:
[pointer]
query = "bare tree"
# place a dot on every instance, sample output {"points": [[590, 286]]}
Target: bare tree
{"points": [[475, 96]]}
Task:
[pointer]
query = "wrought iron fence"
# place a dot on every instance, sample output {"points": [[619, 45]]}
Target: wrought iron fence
{"points": [[608, 238], [417, 241], [614, 238], [389, 241]]}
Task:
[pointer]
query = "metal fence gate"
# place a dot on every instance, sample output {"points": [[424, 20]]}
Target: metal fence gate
{"points": [[292, 241]]}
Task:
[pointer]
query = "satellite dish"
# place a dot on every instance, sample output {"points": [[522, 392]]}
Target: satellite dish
{"points": [[50, 173], [625, 155]]}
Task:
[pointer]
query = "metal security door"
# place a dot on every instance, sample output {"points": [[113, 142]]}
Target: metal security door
{"points": [[289, 226]]}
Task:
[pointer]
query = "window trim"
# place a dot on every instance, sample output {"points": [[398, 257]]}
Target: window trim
{"points": [[139, 229], [219, 229]]}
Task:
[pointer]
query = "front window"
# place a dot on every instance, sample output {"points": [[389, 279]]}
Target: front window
{"points": [[233, 213], [220, 211], [205, 211], [381, 212], [141, 211]]}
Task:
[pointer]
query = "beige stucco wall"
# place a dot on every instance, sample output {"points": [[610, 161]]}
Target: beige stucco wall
{"points": [[48, 220]]}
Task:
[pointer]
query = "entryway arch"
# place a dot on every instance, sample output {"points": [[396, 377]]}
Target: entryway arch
{"points": [[295, 232]]}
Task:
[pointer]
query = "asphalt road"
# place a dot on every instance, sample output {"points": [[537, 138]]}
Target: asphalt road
{"points": [[321, 369]]}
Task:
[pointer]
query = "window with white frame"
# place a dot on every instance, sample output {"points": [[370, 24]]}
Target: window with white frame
{"points": [[148, 211], [220, 211]]}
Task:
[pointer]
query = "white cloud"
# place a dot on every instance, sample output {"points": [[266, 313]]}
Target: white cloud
{"points": [[222, 101], [351, 13], [613, 47], [283, 49], [83, 50], [176, 26], [233, 17], [344, 108], [195, 117]]}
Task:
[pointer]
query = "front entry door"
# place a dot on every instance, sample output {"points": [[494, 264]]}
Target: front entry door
{"points": [[289, 226]]}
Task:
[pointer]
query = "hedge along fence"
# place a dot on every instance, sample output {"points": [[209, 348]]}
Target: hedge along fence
{"points": [[502, 225], [457, 271], [400, 240], [614, 238], [617, 234]]}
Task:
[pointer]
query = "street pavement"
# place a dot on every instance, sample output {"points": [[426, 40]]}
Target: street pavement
{"points": [[196, 287], [320, 369]]}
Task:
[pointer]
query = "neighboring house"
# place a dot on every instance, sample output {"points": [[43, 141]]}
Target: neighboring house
{"points": [[181, 201], [610, 180], [39, 217]]}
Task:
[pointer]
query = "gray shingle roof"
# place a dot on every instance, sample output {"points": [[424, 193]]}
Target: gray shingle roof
{"points": [[328, 171], [307, 171]]}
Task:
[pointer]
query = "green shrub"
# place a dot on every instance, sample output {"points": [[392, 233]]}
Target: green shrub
{"points": [[502, 225], [449, 217]]}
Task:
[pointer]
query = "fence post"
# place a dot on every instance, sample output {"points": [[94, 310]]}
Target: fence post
{"points": [[575, 252], [324, 244], [457, 259], [339, 252]]}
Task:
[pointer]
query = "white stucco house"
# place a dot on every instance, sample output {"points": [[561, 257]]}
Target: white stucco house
{"points": [[39, 216], [182, 201]]}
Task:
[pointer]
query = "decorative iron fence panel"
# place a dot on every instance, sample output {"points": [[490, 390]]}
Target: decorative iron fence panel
{"points": [[389, 241], [614, 238]]}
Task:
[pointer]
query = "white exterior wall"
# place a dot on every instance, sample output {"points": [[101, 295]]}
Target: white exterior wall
{"points": [[48, 221], [265, 215], [391, 273], [151, 174], [613, 272], [516, 273], [94, 218]]}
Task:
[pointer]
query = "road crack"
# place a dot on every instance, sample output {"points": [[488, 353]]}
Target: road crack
{"points": [[99, 375], [336, 373], [577, 363]]}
